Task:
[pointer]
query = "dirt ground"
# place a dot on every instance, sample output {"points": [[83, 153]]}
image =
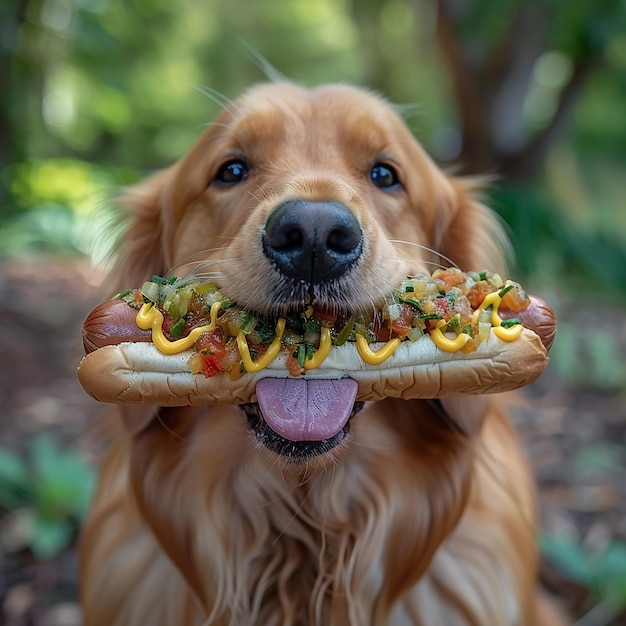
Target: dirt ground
{"points": [[575, 436]]}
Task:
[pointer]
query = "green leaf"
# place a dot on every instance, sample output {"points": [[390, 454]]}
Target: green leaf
{"points": [[50, 536], [568, 556], [14, 480], [64, 480], [44, 455], [12, 468], [611, 574]]}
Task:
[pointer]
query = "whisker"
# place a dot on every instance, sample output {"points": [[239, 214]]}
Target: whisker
{"points": [[226, 127], [200, 263], [426, 249], [215, 96], [273, 74]]}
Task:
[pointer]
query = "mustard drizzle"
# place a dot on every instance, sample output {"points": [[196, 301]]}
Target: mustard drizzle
{"points": [[149, 317], [506, 334], [322, 352], [268, 356]]}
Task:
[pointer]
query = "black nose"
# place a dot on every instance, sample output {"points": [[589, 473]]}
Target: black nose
{"points": [[312, 241]]}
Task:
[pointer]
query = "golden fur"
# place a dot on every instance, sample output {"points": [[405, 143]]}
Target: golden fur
{"points": [[411, 520]]}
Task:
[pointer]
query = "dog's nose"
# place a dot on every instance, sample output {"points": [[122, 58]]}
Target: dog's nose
{"points": [[312, 241]]}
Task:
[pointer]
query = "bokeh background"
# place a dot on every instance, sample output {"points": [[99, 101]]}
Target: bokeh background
{"points": [[95, 94]]}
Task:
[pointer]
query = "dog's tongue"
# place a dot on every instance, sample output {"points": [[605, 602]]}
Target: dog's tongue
{"points": [[306, 410]]}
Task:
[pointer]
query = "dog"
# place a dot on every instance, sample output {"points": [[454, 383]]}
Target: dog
{"points": [[422, 513]]}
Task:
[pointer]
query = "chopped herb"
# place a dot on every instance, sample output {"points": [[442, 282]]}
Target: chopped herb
{"points": [[295, 323], [248, 324], [301, 355], [505, 290], [454, 323], [510, 322], [172, 309], [177, 329], [159, 280], [264, 333], [412, 302], [342, 337], [468, 329]]}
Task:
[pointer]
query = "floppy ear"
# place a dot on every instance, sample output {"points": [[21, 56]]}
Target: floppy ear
{"points": [[142, 249], [471, 234]]}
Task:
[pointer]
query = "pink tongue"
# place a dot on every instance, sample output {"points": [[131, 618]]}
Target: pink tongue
{"points": [[306, 410]]}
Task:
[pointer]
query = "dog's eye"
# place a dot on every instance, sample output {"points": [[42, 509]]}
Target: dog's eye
{"points": [[232, 172], [384, 176]]}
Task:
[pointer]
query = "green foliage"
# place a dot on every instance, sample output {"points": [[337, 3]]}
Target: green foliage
{"points": [[590, 359], [62, 206], [49, 491], [549, 243], [602, 573]]}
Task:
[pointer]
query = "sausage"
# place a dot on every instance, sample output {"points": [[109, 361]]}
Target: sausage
{"points": [[538, 316], [111, 323]]}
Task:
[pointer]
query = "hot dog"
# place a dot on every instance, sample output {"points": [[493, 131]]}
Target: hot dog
{"points": [[182, 342]]}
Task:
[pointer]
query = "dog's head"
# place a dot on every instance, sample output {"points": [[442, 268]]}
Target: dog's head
{"points": [[295, 196]]}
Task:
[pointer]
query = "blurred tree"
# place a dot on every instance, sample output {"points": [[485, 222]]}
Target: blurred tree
{"points": [[517, 69], [11, 16]]}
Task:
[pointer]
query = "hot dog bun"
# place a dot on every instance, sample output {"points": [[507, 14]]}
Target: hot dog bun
{"points": [[136, 372]]}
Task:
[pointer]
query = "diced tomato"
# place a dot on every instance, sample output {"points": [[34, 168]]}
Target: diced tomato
{"points": [[231, 358], [450, 276], [211, 342], [293, 367], [168, 322], [516, 299], [211, 365], [210, 346], [381, 329], [477, 293], [193, 322], [442, 306], [403, 323], [383, 333]]}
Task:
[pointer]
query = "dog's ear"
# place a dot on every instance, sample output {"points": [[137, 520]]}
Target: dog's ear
{"points": [[469, 233], [143, 248]]}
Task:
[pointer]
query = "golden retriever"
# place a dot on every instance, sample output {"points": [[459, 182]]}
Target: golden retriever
{"points": [[417, 512]]}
